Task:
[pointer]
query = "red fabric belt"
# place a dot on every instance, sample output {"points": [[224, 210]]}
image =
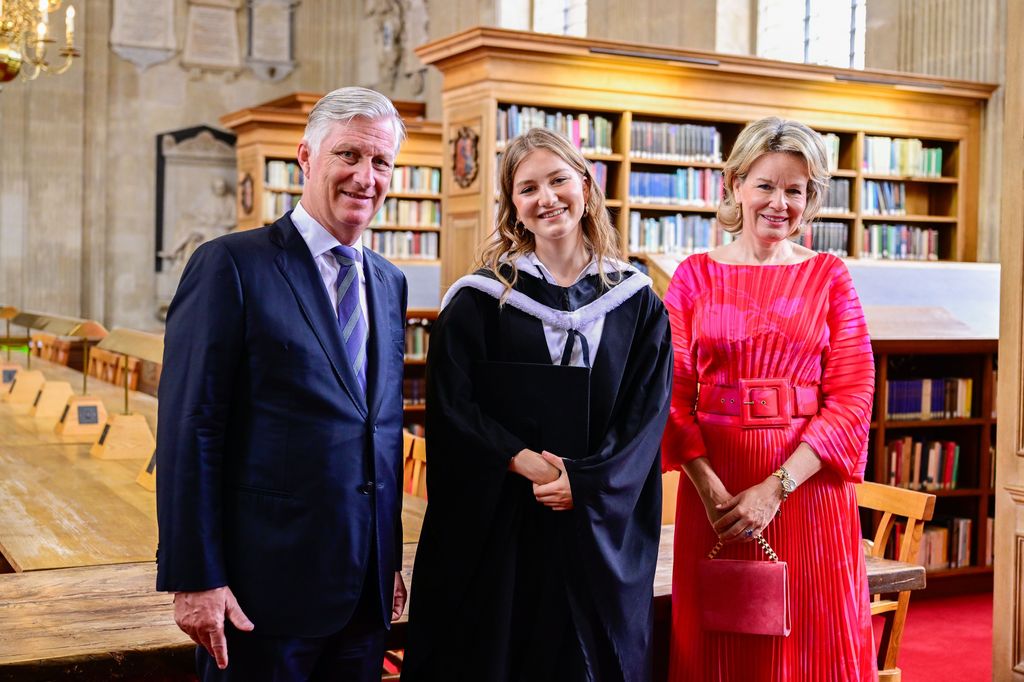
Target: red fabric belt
{"points": [[759, 402]]}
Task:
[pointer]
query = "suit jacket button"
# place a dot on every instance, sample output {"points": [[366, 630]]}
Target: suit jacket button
{"points": [[366, 488], [375, 428]]}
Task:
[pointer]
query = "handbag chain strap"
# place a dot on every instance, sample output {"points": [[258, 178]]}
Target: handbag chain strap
{"points": [[772, 556]]}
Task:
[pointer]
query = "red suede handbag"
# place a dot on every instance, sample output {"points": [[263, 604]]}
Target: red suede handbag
{"points": [[744, 596]]}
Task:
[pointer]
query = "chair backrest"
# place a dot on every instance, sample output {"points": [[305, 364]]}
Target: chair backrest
{"points": [[914, 506], [418, 482], [669, 493]]}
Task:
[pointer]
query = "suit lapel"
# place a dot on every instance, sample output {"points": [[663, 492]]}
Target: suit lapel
{"points": [[378, 295], [296, 264]]}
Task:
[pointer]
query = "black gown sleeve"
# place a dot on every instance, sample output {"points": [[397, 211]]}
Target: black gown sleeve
{"points": [[616, 528]]}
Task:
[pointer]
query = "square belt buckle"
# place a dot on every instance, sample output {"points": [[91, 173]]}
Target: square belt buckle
{"points": [[765, 402]]}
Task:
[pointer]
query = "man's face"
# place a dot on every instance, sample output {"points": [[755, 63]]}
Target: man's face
{"points": [[348, 178]]}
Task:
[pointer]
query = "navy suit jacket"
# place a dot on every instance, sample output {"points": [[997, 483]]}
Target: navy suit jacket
{"points": [[275, 475]]}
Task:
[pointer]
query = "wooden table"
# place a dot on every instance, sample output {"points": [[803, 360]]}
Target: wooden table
{"points": [[106, 622], [111, 395]]}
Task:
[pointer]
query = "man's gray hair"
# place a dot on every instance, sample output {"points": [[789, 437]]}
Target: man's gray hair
{"points": [[345, 104]]}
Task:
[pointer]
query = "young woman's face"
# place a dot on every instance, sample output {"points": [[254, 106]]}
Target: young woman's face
{"points": [[549, 196]]}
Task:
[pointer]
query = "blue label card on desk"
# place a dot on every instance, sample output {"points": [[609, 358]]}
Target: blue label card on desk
{"points": [[87, 414], [9, 375]]}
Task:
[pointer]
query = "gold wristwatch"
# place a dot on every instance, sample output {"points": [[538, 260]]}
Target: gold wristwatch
{"points": [[788, 484]]}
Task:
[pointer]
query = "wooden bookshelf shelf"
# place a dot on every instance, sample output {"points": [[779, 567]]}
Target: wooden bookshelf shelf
{"points": [[835, 216], [910, 178], [487, 71], [405, 228], [908, 219], [640, 161], [934, 423], [413, 195], [673, 208], [415, 407], [415, 361], [285, 190], [613, 203], [415, 261]]}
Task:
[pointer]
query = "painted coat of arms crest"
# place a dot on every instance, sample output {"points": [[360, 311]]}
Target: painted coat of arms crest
{"points": [[465, 156]]}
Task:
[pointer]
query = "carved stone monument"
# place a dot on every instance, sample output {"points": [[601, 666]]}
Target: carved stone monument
{"points": [[198, 203]]}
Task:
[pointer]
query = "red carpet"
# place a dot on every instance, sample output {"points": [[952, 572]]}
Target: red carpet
{"points": [[947, 639]]}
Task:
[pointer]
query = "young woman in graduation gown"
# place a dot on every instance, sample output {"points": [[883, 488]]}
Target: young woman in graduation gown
{"points": [[534, 567], [771, 405]]}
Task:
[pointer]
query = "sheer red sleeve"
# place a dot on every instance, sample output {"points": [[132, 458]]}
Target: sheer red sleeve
{"points": [[682, 441], [839, 432]]}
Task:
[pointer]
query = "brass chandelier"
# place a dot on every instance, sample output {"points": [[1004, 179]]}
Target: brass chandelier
{"points": [[26, 36]]}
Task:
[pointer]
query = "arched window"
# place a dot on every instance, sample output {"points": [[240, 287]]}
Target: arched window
{"points": [[812, 31], [562, 17]]}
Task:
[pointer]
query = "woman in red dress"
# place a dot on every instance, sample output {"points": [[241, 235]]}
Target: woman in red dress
{"points": [[771, 404]]}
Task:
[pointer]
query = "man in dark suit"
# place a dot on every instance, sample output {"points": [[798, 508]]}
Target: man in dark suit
{"points": [[279, 492]]}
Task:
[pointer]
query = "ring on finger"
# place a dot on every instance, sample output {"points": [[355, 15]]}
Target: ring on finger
{"points": [[749, 533]]}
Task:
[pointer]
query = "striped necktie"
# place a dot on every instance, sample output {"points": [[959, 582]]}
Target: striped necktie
{"points": [[350, 314]]}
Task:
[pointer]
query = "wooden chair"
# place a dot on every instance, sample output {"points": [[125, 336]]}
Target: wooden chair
{"points": [[916, 507], [669, 491], [418, 468]]}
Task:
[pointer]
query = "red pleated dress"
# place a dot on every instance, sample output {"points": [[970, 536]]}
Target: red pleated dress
{"points": [[802, 323]]}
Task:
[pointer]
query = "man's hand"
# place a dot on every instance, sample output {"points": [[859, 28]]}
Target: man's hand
{"points": [[398, 606], [200, 615], [557, 494]]}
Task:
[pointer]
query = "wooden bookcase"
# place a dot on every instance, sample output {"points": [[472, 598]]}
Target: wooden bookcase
{"points": [[973, 496], [487, 70], [271, 133], [268, 137]]}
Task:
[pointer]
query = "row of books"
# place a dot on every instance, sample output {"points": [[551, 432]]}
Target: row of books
{"points": [[916, 399], [920, 465], [417, 338], [826, 237], [402, 244], [675, 142], [831, 141], [283, 174], [589, 133], [688, 186], [884, 198], [946, 543], [900, 242], [599, 169], [414, 391], [901, 156], [678, 233], [408, 213], [416, 179], [276, 204], [946, 546], [837, 197]]}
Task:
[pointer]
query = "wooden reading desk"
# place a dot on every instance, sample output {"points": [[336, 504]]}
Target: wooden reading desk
{"points": [[106, 622]]}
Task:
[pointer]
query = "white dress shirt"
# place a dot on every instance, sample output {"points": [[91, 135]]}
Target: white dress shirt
{"points": [[320, 243], [556, 337]]}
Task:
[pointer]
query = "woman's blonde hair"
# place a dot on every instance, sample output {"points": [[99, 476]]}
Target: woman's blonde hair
{"points": [[511, 239], [762, 137]]}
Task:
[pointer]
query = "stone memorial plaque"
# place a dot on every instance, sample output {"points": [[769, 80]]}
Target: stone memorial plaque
{"points": [[211, 38], [143, 31], [270, 38]]}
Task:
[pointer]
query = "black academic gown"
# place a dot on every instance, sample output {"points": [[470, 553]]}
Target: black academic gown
{"points": [[505, 589]]}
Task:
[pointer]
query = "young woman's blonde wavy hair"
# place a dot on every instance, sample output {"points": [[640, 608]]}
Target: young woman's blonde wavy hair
{"points": [[511, 239], [762, 137]]}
